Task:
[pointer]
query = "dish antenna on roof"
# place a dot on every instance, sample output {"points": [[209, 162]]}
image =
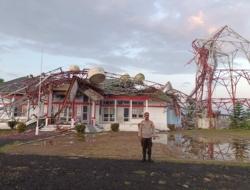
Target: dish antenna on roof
{"points": [[74, 68], [125, 78], [167, 87], [96, 75], [126, 81], [139, 78]]}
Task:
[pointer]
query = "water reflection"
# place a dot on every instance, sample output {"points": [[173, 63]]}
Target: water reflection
{"points": [[240, 149], [67, 140], [88, 138], [186, 147]]}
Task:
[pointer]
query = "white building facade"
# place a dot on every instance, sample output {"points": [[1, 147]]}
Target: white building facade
{"points": [[65, 105]]}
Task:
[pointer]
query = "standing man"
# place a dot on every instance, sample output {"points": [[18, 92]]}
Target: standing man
{"points": [[146, 131]]}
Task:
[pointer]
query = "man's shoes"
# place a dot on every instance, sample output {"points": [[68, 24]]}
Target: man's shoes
{"points": [[150, 160], [143, 160]]}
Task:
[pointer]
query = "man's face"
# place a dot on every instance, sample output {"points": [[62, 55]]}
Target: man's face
{"points": [[146, 116]]}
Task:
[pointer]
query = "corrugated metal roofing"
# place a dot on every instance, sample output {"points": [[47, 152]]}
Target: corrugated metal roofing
{"points": [[108, 87]]}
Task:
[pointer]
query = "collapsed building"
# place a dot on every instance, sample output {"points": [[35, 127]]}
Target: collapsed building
{"points": [[98, 98], [91, 96]]}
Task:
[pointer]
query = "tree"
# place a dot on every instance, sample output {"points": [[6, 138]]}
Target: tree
{"points": [[239, 116], [236, 116], [240, 149], [246, 123], [247, 114], [1, 80], [190, 114]]}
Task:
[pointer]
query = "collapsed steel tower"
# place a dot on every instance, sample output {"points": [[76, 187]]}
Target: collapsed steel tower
{"points": [[222, 62]]}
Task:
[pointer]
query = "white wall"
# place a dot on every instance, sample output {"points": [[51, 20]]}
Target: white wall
{"points": [[159, 116], [4, 126], [122, 127], [97, 116], [204, 123], [4, 115]]}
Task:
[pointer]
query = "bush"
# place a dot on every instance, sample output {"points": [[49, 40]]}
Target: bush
{"points": [[80, 128], [245, 124], [115, 127], [171, 127], [239, 118], [12, 124], [21, 127]]}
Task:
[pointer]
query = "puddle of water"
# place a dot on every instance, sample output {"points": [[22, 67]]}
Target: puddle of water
{"points": [[186, 147], [91, 138], [68, 140], [88, 138], [49, 142]]}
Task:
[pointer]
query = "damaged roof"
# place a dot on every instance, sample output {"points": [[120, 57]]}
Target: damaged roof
{"points": [[14, 85], [108, 87], [116, 87]]}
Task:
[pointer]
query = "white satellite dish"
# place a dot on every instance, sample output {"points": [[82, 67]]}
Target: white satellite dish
{"points": [[74, 68], [167, 87], [96, 75], [139, 78]]}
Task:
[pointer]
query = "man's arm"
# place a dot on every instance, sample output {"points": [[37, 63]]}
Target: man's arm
{"points": [[139, 129], [153, 129]]}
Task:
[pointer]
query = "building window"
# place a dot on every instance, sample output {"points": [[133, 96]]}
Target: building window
{"points": [[108, 114], [58, 96], [65, 115], [54, 109], [138, 103], [85, 98], [108, 102], [18, 111], [137, 110], [85, 113], [126, 114], [123, 103], [24, 110], [137, 113]]}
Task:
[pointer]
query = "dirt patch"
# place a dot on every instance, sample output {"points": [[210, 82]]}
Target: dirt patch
{"points": [[53, 172], [124, 145], [10, 137], [108, 161]]}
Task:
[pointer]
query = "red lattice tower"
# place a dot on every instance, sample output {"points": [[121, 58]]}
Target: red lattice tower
{"points": [[222, 62]]}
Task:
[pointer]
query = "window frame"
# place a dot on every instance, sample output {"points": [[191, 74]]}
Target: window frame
{"points": [[137, 112], [108, 114]]}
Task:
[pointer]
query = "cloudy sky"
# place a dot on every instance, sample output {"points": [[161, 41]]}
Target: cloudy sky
{"points": [[124, 36]]}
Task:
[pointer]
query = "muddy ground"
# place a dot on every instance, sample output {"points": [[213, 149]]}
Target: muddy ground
{"points": [[53, 172], [12, 136], [122, 145], [126, 145], [64, 160]]}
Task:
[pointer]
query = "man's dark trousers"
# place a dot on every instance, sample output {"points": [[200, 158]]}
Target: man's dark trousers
{"points": [[146, 144]]}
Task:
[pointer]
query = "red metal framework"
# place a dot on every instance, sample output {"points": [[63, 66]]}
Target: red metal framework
{"points": [[26, 90], [222, 62]]}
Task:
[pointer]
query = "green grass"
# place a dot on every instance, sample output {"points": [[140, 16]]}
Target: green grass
{"points": [[4, 148], [7, 147], [4, 132]]}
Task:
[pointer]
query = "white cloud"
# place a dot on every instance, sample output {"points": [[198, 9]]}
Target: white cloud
{"points": [[197, 20], [153, 35]]}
